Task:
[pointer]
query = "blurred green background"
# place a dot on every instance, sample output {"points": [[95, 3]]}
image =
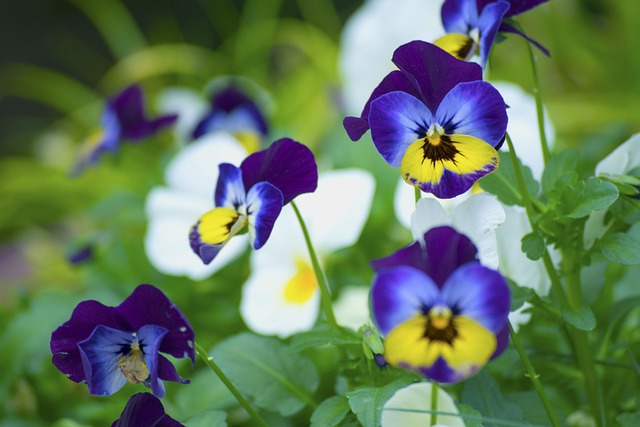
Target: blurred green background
{"points": [[59, 60]]}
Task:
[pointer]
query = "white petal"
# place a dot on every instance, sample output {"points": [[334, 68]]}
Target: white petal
{"points": [[285, 244], [372, 34], [518, 317], [188, 104], [265, 309], [417, 397], [622, 159], [195, 168], [428, 214], [513, 262], [477, 218], [352, 307], [337, 211], [523, 126], [171, 214]]}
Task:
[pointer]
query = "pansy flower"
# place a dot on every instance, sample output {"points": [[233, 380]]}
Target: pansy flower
{"points": [[232, 111], [281, 297], [472, 25], [123, 118], [108, 346], [145, 410], [435, 119], [252, 196], [443, 313]]}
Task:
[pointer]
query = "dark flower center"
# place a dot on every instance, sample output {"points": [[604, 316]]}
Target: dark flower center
{"points": [[438, 146], [133, 366], [440, 325]]}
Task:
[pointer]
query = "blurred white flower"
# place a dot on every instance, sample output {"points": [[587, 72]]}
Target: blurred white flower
{"points": [[173, 209], [352, 307], [281, 297], [409, 407]]}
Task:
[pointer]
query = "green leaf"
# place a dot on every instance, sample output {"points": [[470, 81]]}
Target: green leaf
{"points": [[208, 419], [519, 295], [559, 172], [470, 416], [504, 185], [621, 248], [533, 246], [583, 319], [322, 335], [330, 412], [367, 402], [629, 419], [268, 371], [483, 393], [588, 196]]}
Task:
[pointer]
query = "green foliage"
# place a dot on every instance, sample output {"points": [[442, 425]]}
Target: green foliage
{"points": [[503, 183], [621, 248], [585, 197], [367, 402], [582, 319], [208, 419], [482, 392], [268, 371], [322, 335], [330, 412], [533, 245], [629, 419]]}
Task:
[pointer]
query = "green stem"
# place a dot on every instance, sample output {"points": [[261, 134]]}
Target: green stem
{"points": [[546, 154], [216, 369], [533, 376], [434, 403], [325, 293], [556, 285]]}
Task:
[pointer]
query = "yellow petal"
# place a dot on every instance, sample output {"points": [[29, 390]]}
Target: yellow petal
{"points": [[472, 347], [218, 225], [302, 285], [458, 45], [406, 344]]}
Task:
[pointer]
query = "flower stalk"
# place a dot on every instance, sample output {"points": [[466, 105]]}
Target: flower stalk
{"points": [[325, 292], [239, 397], [546, 153]]}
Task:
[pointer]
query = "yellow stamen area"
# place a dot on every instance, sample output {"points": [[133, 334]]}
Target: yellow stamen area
{"points": [[133, 366], [440, 317], [458, 45], [219, 224], [471, 348], [250, 141], [302, 285], [426, 159]]}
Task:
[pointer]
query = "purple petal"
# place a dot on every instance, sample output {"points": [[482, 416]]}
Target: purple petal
{"points": [[397, 119], [150, 337], [230, 191], [128, 106], [520, 6], [286, 164], [502, 339], [147, 305], [399, 294], [167, 372], [395, 81], [459, 16], [100, 355], [264, 203], [144, 410], [206, 251], [488, 25], [444, 251], [480, 294], [506, 28], [453, 184], [436, 71], [84, 319], [440, 372], [475, 109]]}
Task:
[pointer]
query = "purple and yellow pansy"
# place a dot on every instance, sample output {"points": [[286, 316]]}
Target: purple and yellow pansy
{"points": [[434, 119], [472, 25], [108, 346], [123, 118], [443, 314], [253, 195]]}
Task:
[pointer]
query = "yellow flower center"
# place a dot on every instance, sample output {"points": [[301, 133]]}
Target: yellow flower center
{"points": [[133, 366], [220, 224], [250, 141], [302, 285]]}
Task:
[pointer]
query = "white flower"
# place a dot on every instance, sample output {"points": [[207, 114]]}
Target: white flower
{"points": [[281, 296], [173, 209], [352, 307], [189, 105], [409, 407]]}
